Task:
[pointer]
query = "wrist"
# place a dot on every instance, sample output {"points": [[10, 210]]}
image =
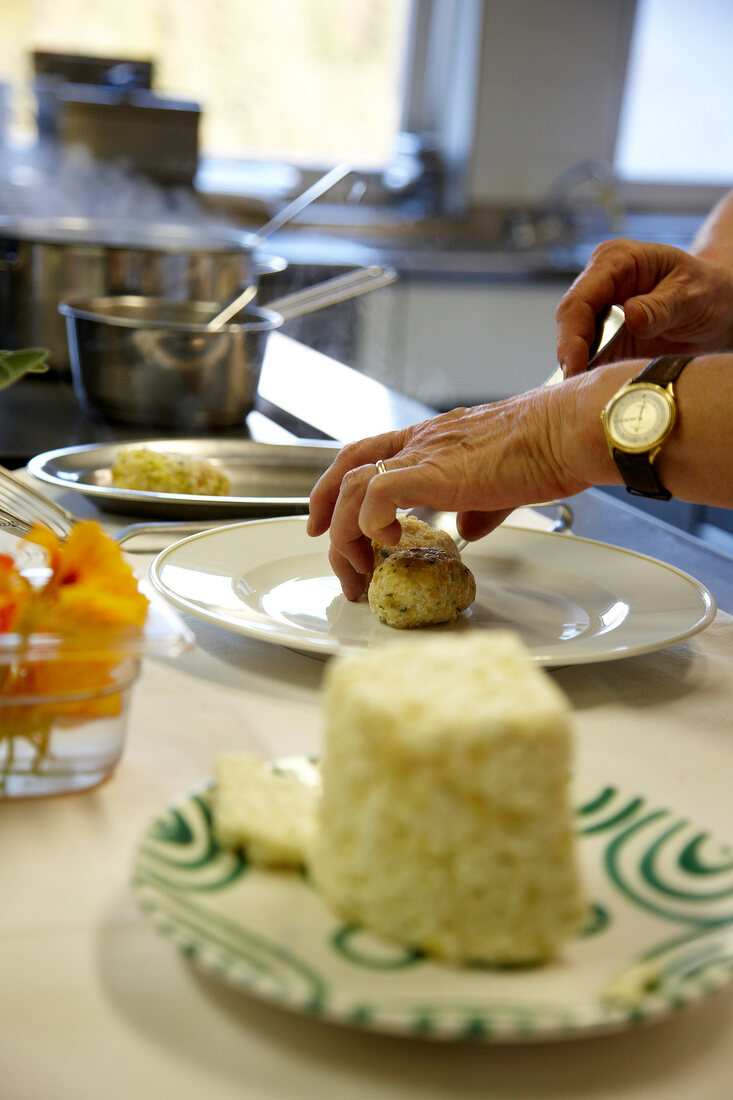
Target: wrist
{"points": [[584, 445]]}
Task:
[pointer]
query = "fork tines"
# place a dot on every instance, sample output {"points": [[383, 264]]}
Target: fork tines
{"points": [[21, 506]]}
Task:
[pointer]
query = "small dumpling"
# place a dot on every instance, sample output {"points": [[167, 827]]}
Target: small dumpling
{"points": [[415, 532]]}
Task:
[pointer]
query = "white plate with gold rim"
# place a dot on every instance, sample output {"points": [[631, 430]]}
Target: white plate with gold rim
{"points": [[658, 936], [572, 601]]}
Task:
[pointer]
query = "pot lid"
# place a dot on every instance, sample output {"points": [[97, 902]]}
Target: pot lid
{"points": [[128, 233]]}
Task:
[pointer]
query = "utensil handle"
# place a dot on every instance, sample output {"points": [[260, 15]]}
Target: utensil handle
{"points": [[292, 209], [233, 308], [327, 293], [172, 529], [609, 325]]}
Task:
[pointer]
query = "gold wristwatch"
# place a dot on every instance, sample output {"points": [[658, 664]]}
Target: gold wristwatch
{"points": [[638, 419]]}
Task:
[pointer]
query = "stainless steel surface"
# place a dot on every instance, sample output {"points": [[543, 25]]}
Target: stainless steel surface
{"points": [[234, 307], [265, 479], [288, 212], [446, 521], [156, 536], [155, 135], [311, 298], [328, 293], [150, 361], [608, 326], [154, 362], [297, 205], [44, 261]]}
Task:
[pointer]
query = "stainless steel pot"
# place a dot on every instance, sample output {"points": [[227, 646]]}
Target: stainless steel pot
{"points": [[157, 362], [152, 361], [44, 261]]}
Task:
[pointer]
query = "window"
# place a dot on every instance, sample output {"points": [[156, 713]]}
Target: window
{"points": [[677, 113], [310, 81]]}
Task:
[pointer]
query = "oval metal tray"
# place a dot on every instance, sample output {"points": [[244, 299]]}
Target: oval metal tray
{"points": [[265, 478]]}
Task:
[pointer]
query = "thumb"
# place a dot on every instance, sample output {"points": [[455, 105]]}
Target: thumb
{"points": [[648, 315]]}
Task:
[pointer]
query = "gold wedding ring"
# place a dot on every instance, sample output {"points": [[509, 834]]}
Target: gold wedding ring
{"points": [[381, 468]]}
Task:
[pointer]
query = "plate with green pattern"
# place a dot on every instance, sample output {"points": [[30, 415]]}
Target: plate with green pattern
{"points": [[658, 936]]}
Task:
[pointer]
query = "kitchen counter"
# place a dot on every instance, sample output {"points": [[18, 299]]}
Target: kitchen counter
{"points": [[492, 244]]}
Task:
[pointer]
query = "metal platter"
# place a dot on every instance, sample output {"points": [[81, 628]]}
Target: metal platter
{"points": [[265, 479]]}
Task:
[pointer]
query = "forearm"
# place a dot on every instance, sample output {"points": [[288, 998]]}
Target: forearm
{"points": [[697, 460], [714, 240], [484, 461], [695, 463]]}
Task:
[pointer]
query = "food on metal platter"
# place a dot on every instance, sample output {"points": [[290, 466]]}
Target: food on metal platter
{"points": [[148, 470]]}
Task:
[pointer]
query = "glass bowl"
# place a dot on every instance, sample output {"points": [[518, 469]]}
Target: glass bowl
{"points": [[65, 703], [59, 741]]}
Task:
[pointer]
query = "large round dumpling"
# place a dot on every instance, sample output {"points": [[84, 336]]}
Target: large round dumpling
{"points": [[419, 586]]}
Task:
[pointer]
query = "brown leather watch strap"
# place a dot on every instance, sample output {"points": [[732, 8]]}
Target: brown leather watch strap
{"points": [[665, 369], [640, 476], [636, 469]]}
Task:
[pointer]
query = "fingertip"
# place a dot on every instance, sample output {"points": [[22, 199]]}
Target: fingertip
{"points": [[561, 356], [353, 584], [314, 525], [320, 512], [572, 355], [353, 592], [475, 525], [352, 576], [567, 366]]}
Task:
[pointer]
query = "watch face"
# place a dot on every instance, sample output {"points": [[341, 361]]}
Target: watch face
{"points": [[639, 418]]}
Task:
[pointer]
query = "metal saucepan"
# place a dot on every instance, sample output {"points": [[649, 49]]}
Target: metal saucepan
{"points": [[44, 261], [154, 361]]}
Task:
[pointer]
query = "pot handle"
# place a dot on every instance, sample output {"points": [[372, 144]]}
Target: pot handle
{"points": [[354, 283]]}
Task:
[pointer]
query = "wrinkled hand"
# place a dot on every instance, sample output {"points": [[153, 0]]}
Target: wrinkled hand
{"points": [[674, 303], [480, 462]]}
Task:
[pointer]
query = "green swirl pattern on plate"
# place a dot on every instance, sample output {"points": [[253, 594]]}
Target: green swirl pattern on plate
{"points": [[659, 934]]}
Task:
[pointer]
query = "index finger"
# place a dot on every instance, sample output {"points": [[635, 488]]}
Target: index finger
{"points": [[325, 492], [577, 313]]}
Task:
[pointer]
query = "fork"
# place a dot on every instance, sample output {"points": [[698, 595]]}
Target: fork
{"points": [[21, 506]]}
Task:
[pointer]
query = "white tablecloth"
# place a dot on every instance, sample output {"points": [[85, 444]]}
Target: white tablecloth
{"points": [[95, 1004]]}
